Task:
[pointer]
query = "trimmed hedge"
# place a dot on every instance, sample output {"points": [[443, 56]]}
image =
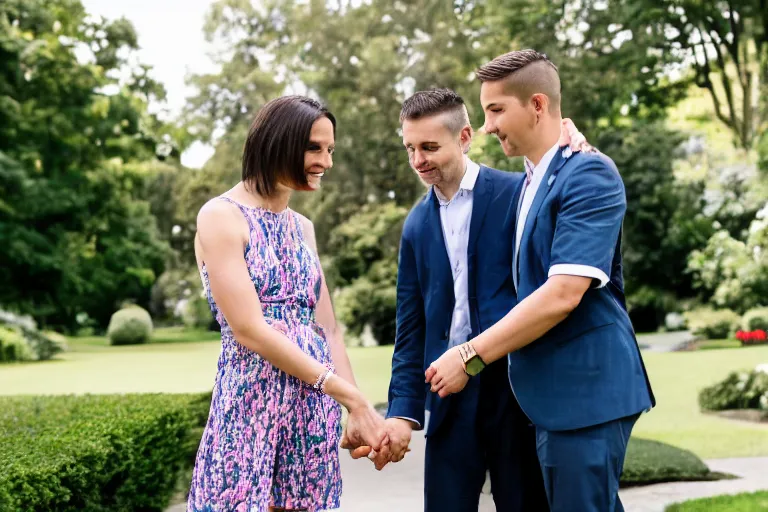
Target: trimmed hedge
{"points": [[649, 462], [96, 453], [130, 326]]}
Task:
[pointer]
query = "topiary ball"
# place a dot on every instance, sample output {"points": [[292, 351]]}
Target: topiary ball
{"points": [[130, 326]]}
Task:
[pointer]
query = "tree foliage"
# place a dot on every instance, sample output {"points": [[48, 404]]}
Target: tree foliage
{"points": [[75, 234]]}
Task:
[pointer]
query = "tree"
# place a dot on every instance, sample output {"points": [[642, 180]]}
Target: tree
{"points": [[664, 221], [725, 43], [75, 236]]}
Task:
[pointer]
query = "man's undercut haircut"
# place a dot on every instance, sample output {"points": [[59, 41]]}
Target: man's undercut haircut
{"points": [[435, 102], [525, 73]]}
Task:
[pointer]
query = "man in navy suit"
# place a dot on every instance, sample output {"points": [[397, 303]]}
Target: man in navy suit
{"points": [[574, 363], [454, 281]]}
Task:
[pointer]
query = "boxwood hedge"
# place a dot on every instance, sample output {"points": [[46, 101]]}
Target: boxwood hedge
{"points": [[96, 452]]}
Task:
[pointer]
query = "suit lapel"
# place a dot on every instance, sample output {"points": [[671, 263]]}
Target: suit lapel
{"points": [[518, 202], [544, 187], [437, 254], [481, 197]]}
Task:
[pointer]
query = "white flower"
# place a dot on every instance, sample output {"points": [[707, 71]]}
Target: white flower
{"points": [[762, 368]]}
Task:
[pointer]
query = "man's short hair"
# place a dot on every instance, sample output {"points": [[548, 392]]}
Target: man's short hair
{"points": [[276, 142], [525, 72], [434, 102]]}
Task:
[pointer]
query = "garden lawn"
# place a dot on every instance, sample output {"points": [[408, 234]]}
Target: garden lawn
{"points": [[717, 344], [676, 378], [747, 502], [93, 367]]}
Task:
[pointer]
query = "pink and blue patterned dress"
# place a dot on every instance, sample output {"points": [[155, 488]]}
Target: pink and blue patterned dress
{"points": [[271, 440]]}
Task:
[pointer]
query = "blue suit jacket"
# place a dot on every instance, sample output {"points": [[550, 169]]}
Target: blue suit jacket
{"points": [[425, 297], [587, 369]]}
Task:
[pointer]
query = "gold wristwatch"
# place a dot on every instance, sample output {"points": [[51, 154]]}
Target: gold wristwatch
{"points": [[473, 364]]}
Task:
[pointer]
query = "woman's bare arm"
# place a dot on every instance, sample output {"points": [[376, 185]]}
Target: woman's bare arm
{"points": [[326, 316]]}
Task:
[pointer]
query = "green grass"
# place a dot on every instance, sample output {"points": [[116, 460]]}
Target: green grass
{"points": [[676, 378], [717, 344], [747, 502], [93, 367], [159, 335]]}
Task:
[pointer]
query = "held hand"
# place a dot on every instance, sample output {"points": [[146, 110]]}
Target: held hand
{"points": [[356, 452], [399, 433], [446, 374], [364, 430], [571, 136]]}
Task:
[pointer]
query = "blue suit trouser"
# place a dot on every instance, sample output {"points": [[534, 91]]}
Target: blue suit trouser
{"points": [[582, 468], [483, 433]]}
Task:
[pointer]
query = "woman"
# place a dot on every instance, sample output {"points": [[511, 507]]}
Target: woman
{"points": [[273, 432]]}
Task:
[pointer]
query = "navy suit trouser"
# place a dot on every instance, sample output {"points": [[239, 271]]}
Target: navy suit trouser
{"points": [[582, 467], [484, 432]]}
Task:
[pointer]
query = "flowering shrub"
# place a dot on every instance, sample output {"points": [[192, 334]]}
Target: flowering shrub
{"points": [[20, 340], [712, 324], [756, 337], [755, 319], [739, 390]]}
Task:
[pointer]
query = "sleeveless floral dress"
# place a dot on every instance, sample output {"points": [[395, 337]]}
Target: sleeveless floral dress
{"points": [[270, 439]]}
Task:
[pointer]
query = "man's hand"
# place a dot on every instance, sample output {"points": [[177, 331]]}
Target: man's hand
{"points": [[399, 431], [446, 374], [399, 434]]}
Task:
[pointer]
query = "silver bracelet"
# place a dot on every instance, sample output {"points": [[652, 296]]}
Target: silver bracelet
{"points": [[325, 380], [319, 385]]}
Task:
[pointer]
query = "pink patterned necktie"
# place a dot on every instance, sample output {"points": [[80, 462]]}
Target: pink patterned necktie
{"points": [[528, 172]]}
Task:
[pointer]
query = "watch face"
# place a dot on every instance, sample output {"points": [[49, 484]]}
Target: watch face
{"points": [[474, 366]]}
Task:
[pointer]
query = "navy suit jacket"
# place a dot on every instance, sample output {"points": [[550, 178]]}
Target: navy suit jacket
{"points": [[425, 297], [588, 369]]}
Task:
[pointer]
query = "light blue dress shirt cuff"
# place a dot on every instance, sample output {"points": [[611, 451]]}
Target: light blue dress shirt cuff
{"points": [[564, 269], [418, 425]]}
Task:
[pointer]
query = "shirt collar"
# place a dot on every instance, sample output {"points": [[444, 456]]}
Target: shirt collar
{"points": [[545, 161], [471, 172]]}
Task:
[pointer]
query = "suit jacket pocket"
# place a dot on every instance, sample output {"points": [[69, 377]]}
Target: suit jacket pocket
{"points": [[567, 337]]}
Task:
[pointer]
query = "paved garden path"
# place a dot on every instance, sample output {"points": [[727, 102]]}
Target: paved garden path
{"points": [[399, 487], [664, 341]]}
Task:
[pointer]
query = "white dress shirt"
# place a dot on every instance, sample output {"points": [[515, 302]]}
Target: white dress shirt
{"points": [[455, 217], [529, 194]]}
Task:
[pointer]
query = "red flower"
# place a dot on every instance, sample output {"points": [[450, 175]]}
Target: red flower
{"points": [[752, 337]]}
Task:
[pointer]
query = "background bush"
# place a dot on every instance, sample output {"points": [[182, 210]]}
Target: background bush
{"points": [[197, 313], [13, 346], [651, 461], [739, 390], [712, 324], [20, 340], [96, 453], [130, 326], [755, 319], [674, 322]]}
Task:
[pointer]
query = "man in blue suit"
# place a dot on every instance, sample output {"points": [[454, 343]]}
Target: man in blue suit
{"points": [[574, 363], [454, 281]]}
